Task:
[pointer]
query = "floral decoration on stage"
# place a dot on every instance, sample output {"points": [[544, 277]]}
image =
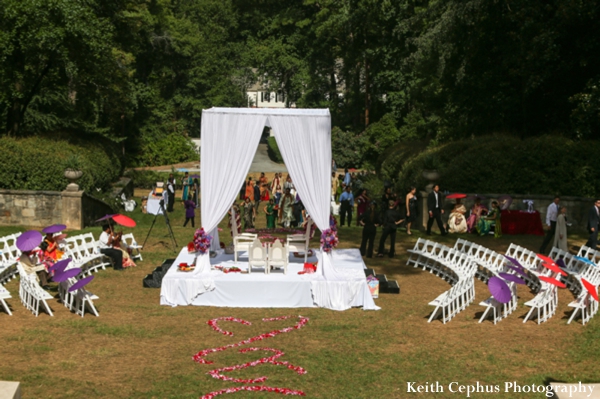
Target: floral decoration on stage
{"points": [[279, 230], [276, 354], [329, 238], [202, 241]]}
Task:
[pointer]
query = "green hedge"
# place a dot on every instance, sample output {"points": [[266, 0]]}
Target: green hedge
{"points": [[505, 164], [38, 163], [273, 150], [172, 149]]}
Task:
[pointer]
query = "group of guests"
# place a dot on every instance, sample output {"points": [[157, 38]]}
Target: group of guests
{"points": [[190, 191], [556, 226], [39, 260], [480, 220], [283, 203]]}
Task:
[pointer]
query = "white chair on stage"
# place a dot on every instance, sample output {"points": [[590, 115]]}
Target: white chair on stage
{"points": [[300, 242], [257, 256], [241, 241], [279, 256]]}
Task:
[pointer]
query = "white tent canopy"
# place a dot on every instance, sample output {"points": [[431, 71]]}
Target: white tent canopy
{"points": [[230, 138]]}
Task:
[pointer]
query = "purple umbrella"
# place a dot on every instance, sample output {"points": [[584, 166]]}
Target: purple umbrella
{"points": [[516, 269], [499, 289], [105, 217], [511, 277], [561, 263], [515, 262], [195, 176], [67, 274], [55, 228], [81, 283], [29, 240], [60, 266]]}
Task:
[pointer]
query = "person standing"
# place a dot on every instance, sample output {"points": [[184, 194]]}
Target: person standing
{"points": [[592, 225], [551, 215], [249, 190], [370, 221], [347, 205], [434, 206], [362, 202], [249, 213], [347, 178], [270, 211], [560, 238], [190, 210], [186, 186], [411, 208], [196, 192], [171, 193], [256, 197], [334, 185], [391, 220]]}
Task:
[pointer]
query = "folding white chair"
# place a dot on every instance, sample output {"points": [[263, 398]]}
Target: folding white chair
{"points": [[257, 256], [130, 242], [4, 294], [32, 295], [278, 256]]}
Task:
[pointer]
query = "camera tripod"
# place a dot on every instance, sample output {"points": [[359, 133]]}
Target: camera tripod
{"points": [[168, 223]]}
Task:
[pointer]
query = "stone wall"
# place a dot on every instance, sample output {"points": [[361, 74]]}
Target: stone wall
{"points": [[43, 208], [577, 207]]}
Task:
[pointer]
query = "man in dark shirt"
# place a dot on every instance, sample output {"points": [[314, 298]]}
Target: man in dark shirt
{"points": [[434, 205], [391, 220], [593, 224]]}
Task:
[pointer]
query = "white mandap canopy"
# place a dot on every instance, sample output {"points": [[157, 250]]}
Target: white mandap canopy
{"points": [[230, 138]]}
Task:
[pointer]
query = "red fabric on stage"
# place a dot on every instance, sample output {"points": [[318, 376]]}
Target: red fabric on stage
{"points": [[519, 222]]}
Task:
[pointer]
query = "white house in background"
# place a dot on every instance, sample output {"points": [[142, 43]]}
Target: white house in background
{"points": [[260, 97]]}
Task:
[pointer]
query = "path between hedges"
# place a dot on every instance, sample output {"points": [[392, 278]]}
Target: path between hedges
{"points": [[260, 163]]}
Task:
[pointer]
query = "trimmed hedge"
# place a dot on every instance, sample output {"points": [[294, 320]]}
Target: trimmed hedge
{"points": [[38, 163], [503, 164], [172, 149], [273, 150]]}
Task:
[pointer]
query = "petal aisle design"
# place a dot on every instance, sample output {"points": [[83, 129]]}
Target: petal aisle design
{"points": [[217, 373]]}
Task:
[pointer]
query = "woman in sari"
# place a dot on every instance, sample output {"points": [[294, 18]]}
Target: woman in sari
{"points": [[187, 185], [249, 190], [485, 223], [249, 213], [277, 193], [270, 211], [119, 244], [457, 222], [362, 201], [51, 248], [196, 192], [262, 184], [286, 209], [476, 213]]}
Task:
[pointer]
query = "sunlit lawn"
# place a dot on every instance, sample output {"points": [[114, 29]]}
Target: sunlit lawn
{"points": [[139, 349]]}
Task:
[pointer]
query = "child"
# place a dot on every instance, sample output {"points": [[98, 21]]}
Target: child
{"points": [[190, 210]]}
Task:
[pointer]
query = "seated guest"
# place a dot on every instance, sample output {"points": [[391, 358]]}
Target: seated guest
{"points": [[457, 223], [106, 242], [30, 263], [485, 223], [476, 213], [51, 248], [124, 248]]}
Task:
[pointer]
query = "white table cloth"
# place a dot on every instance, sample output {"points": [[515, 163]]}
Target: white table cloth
{"points": [[153, 205], [274, 290]]}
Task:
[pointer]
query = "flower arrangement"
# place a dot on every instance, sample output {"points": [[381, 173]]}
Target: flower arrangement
{"points": [[202, 241], [329, 240], [276, 230]]}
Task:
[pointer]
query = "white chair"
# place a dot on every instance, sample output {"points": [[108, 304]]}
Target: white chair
{"points": [[500, 310], [130, 242], [257, 256], [241, 241], [300, 242], [279, 256], [32, 295], [544, 303], [4, 294]]}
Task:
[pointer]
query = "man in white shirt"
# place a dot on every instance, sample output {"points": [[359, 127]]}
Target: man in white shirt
{"points": [[115, 255], [551, 215]]}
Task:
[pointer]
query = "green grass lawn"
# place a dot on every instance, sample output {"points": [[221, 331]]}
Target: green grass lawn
{"points": [[139, 349]]}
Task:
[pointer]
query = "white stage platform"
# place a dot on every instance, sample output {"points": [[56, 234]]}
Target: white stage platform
{"points": [[274, 290]]}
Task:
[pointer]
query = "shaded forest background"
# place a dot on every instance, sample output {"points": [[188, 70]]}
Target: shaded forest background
{"points": [[403, 79]]}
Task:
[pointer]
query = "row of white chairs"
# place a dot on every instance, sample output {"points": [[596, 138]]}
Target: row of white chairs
{"points": [[274, 255], [9, 253], [490, 264], [451, 265]]}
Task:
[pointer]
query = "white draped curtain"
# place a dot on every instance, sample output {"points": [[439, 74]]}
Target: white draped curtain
{"points": [[229, 142]]}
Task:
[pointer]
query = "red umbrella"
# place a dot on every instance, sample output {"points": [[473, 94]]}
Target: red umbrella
{"points": [[546, 259], [553, 281], [124, 220], [554, 268], [591, 288], [456, 195]]}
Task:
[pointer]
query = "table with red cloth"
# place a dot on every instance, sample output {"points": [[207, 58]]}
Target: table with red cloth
{"points": [[521, 222]]}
